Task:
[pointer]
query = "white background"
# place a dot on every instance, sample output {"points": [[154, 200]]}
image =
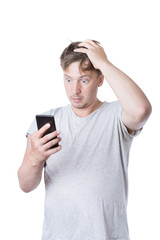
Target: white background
{"points": [[33, 35]]}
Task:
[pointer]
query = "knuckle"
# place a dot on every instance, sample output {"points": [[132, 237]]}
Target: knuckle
{"points": [[50, 136], [44, 154], [49, 144], [55, 141], [55, 149], [32, 137], [46, 138], [33, 142], [37, 146], [55, 133]]}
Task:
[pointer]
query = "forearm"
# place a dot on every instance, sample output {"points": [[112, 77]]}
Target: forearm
{"points": [[131, 97], [29, 175]]}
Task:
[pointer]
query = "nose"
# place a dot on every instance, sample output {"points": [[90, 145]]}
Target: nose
{"points": [[76, 88]]}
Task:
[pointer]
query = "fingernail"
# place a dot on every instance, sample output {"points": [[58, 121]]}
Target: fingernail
{"points": [[59, 148]]}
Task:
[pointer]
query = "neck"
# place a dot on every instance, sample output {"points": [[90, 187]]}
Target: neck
{"points": [[86, 111]]}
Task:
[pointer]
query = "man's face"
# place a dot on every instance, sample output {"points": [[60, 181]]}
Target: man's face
{"points": [[81, 87]]}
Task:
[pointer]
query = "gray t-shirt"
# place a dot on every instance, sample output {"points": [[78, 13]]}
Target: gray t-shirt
{"points": [[87, 181]]}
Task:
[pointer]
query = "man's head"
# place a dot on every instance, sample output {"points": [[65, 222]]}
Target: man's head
{"points": [[81, 79]]}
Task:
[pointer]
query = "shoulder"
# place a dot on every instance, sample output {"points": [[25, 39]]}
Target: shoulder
{"points": [[56, 111], [113, 107]]}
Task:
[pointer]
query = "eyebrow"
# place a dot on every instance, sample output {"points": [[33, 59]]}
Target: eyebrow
{"points": [[82, 76]]}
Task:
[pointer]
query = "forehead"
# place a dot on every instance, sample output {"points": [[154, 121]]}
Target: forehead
{"points": [[73, 70]]}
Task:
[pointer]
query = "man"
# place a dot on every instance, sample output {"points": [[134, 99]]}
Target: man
{"points": [[86, 176]]}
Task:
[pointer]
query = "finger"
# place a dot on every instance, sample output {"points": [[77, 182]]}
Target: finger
{"points": [[49, 136], [83, 50], [86, 45], [92, 43], [43, 129], [51, 143], [53, 150]]}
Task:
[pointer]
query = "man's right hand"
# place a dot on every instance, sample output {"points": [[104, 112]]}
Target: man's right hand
{"points": [[37, 152], [40, 147]]}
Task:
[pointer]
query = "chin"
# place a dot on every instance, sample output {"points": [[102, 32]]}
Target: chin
{"points": [[79, 106]]}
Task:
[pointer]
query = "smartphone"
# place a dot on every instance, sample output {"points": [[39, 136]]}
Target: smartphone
{"points": [[44, 119]]}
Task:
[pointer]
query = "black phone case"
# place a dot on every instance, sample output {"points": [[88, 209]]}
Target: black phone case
{"points": [[44, 119]]}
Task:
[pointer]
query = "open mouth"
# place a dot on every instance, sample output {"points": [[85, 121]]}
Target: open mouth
{"points": [[77, 99]]}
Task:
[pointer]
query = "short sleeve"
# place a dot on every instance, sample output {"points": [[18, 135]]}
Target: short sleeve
{"points": [[122, 127], [33, 127]]}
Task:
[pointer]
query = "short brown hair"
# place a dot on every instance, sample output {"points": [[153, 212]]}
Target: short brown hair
{"points": [[68, 56]]}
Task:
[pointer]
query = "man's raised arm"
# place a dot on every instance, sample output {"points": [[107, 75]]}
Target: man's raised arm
{"points": [[136, 108]]}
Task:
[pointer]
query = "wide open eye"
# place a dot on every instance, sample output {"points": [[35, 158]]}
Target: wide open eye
{"points": [[68, 80], [84, 81]]}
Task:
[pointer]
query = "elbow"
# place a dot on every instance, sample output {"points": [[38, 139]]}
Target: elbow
{"points": [[143, 113], [22, 184], [24, 188]]}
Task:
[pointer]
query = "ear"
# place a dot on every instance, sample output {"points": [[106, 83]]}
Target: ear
{"points": [[100, 80]]}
